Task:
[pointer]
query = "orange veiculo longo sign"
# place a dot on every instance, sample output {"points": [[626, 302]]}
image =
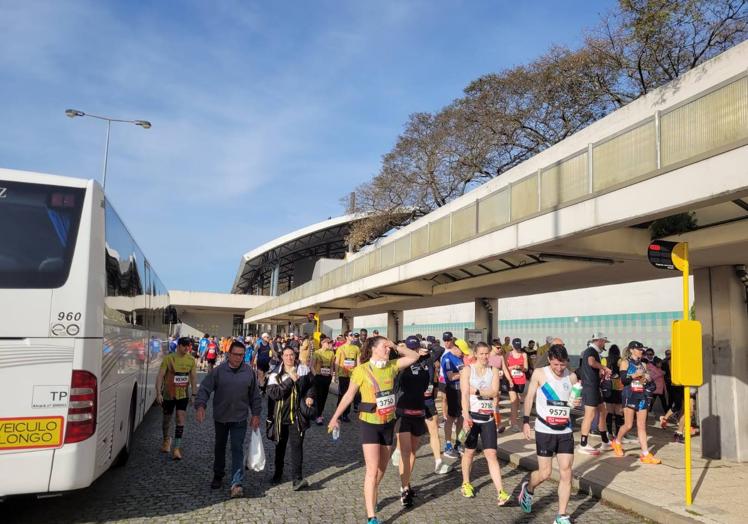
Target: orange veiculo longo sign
{"points": [[30, 432]]}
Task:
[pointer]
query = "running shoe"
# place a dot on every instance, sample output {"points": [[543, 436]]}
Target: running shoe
{"points": [[396, 457], [678, 438], [649, 459], [605, 446], [373, 520], [467, 490], [450, 452], [588, 450], [525, 498], [617, 448], [442, 468], [166, 445], [503, 498], [460, 449], [663, 422], [406, 497], [177, 454], [562, 519], [237, 491]]}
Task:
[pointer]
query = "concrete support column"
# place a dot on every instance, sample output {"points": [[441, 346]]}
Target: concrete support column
{"points": [[346, 323], [720, 300], [395, 325], [487, 317]]}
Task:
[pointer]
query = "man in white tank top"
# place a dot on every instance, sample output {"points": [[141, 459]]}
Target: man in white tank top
{"points": [[551, 387]]}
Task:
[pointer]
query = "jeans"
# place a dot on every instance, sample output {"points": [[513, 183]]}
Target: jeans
{"points": [[289, 435], [236, 431]]}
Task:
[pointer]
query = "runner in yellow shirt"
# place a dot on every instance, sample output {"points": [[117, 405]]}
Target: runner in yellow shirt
{"points": [[178, 372], [323, 364], [375, 378], [347, 357]]}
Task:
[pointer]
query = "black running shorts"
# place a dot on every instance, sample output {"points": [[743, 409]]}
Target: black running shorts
{"points": [[548, 444], [382, 434], [416, 426], [591, 395], [454, 402], [487, 433], [180, 405]]}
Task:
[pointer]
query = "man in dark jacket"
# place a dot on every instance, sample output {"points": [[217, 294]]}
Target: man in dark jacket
{"points": [[235, 394], [290, 386]]}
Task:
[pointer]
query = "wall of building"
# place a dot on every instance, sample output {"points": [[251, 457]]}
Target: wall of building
{"points": [[636, 311], [198, 323]]}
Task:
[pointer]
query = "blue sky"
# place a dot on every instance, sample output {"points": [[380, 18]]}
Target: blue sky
{"points": [[264, 113]]}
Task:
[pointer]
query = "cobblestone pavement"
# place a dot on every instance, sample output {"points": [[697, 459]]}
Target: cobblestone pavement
{"points": [[153, 488]]}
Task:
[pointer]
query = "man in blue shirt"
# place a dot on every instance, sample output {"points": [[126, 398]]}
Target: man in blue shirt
{"points": [[452, 363], [202, 346]]}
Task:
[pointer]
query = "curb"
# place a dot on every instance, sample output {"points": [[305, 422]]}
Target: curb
{"points": [[605, 493]]}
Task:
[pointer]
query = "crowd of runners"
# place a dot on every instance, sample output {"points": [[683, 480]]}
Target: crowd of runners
{"points": [[403, 390]]}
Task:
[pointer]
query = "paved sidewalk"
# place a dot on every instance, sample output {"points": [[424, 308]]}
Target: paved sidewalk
{"points": [[655, 492]]}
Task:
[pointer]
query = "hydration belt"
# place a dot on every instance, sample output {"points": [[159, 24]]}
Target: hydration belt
{"points": [[402, 412], [556, 427]]}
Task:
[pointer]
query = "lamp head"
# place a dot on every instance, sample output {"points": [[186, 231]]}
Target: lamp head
{"points": [[72, 113], [145, 124]]}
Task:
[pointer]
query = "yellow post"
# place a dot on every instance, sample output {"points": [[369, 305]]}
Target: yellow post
{"points": [[680, 259]]}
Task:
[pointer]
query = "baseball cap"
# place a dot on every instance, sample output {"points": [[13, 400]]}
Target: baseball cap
{"points": [[355, 334], [431, 339], [447, 335], [412, 343], [599, 335], [635, 344], [517, 343]]}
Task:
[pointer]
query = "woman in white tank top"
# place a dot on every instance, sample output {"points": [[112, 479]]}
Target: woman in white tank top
{"points": [[479, 387]]}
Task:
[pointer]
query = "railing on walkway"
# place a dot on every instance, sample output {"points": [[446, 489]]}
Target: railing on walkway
{"points": [[708, 124]]}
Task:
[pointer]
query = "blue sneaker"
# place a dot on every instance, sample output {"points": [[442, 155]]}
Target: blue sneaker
{"points": [[525, 499], [373, 520], [450, 452]]}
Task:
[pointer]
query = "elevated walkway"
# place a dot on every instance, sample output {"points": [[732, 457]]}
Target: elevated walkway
{"points": [[573, 216]]}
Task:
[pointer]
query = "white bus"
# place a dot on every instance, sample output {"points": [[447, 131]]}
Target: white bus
{"points": [[82, 333]]}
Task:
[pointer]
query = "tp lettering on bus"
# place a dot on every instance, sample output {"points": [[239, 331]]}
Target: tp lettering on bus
{"points": [[50, 397]]}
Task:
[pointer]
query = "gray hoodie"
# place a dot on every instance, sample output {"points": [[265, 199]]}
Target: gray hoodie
{"points": [[235, 393]]}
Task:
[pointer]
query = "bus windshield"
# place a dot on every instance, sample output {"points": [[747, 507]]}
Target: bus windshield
{"points": [[38, 230]]}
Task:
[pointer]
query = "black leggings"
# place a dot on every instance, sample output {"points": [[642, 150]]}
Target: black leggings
{"points": [[663, 402], [343, 383], [289, 435], [321, 388]]}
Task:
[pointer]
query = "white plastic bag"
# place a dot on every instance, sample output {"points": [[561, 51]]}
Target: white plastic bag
{"points": [[254, 457]]}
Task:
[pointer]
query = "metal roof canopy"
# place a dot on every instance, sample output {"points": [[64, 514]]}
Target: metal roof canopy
{"points": [[325, 239]]}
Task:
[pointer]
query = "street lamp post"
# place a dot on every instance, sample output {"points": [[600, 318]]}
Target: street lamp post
{"points": [[145, 124]]}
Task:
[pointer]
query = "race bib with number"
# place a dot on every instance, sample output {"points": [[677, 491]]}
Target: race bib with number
{"points": [[637, 386], [325, 372], [429, 391], [517, 373], [385, 403], [349, 363], [181, 381], [480, 405], [558, 413]]}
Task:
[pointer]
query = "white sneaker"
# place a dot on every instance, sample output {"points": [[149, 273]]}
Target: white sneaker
{"points": [[588, 450], [605, 446], [442, 468], [396, 457]]}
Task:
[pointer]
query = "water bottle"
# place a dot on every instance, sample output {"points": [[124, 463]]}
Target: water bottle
{"points": [[335, 433], [576, 392]]}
